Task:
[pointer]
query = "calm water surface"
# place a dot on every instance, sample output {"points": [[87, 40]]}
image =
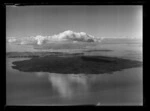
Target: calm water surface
{"points": [[40, 88]]}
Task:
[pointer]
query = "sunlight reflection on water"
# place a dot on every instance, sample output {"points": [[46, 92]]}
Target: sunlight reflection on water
{"points": [[68, 85]]}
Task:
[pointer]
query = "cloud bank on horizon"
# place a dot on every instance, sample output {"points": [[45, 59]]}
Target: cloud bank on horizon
{"points": [[66, 36], [65, 40]]}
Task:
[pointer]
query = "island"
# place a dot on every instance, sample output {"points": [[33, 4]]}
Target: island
{"points": [[81, 64]]}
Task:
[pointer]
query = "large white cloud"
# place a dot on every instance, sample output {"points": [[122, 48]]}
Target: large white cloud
{"points": [[64, 36]]}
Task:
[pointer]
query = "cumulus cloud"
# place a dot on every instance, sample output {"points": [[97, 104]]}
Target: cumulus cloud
{"points": [[64, 36], [12, 39], [40, 39], [72, 36]]}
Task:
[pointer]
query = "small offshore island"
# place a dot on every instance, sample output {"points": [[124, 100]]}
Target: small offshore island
{"points": [[74, 64]]}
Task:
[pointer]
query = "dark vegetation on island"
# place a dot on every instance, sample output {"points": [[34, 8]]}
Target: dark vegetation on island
{"points": [[75, 64]]}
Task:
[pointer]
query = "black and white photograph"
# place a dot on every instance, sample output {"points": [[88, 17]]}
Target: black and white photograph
{"points": [[68, 55]]}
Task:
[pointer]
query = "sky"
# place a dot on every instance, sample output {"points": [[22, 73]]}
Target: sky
{"points": [[98, 20]]}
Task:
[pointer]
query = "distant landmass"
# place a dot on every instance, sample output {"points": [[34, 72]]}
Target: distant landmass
{"points": [[38, 54], [46, 53]]}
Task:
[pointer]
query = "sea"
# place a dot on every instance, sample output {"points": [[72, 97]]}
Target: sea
{"points": [[50, 89]]}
